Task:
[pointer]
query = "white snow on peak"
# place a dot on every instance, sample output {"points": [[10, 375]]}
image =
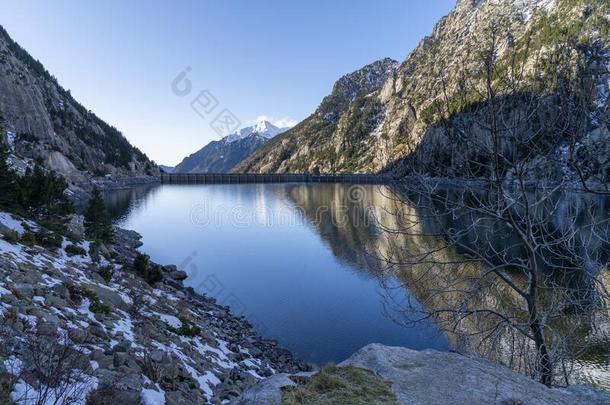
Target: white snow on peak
{"points": [[262, 127]]}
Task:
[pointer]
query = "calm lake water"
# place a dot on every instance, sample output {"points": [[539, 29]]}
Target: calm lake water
{"points": [[308, 264], [277, 254]]}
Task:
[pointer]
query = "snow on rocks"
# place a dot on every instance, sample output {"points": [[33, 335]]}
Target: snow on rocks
{"points": [[157, 345], [10, 222]]}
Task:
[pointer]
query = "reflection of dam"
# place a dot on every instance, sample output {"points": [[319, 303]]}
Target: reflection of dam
{"points": [[405, 230]]}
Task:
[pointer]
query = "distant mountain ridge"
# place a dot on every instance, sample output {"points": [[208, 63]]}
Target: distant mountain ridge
{"points": [[222, 156], [45, 124]]}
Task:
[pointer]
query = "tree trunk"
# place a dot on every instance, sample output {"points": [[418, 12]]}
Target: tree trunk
{"points": [[544, 360]]}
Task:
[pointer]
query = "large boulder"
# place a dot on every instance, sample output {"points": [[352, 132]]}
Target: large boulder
{"points": [[267, 392], [432, 377]]}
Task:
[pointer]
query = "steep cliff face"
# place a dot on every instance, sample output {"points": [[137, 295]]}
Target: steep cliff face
{"points": [[330, 138], [42, 122], [381, 126]]}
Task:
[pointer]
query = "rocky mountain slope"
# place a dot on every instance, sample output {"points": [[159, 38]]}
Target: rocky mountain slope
{"points": [[314, 144], [442, 78], [221, 156], [42, 122]]}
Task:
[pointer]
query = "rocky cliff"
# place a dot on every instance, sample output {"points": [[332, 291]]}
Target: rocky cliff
{"points": [[42, 122], [327, 140], [376, 128]]}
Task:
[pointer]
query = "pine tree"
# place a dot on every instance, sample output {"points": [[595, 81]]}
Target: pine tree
{"points": [[9, 189], [97, 221]]}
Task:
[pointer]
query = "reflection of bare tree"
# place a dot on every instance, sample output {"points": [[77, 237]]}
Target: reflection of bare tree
{"points": [[470, 271], [515, 272], [450, 283]]}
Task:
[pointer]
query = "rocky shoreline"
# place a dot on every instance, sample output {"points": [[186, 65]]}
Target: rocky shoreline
{"points": [[130, 341]]}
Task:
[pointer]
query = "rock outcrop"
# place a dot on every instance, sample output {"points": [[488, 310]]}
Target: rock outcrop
{"points": [[430, 377]]}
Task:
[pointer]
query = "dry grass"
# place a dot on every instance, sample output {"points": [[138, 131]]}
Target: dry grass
{"points": [[340, 385]]}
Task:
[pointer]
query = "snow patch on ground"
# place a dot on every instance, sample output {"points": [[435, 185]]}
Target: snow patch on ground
{"points": [[152, 397], [125, 326], [10, 222], [170, 320]]}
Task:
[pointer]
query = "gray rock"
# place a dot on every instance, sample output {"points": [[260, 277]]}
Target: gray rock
{"points": [[432, 377], [104, 361], [266, 392], [119, 359], [122, 346], [47, 329], [108, 296], [55, 301], [76, 226], [77, 335], [157, 356], [170, 268], [178, 275], [97, 330]]}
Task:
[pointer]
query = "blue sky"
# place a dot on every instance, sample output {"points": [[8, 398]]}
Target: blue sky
{"points": [[273, 58]]}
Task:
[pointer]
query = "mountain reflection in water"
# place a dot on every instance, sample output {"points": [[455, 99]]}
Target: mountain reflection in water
{"points": [[309, 263]]}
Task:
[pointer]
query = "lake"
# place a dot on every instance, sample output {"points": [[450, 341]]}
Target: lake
{"points": [[314, 266], [255, 249]]}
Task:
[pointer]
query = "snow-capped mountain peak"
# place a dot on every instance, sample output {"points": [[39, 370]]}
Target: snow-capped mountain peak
{"points": [[262, 128]]}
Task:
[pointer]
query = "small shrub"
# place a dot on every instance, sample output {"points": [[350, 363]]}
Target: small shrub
{"points": [[75, 250], [107, 393], [325, 380], [49, 240], [6, 387], [141, 264], [28, 238], [98, 307], [98, 225], [155, 274], [95, 305], [151, 273], [10, 236], [186, 328], [76, 294], [153, 370], [106, 272]]}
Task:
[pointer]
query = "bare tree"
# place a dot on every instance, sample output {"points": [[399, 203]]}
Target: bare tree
{"points": [[503, 254], [43, 369]]}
